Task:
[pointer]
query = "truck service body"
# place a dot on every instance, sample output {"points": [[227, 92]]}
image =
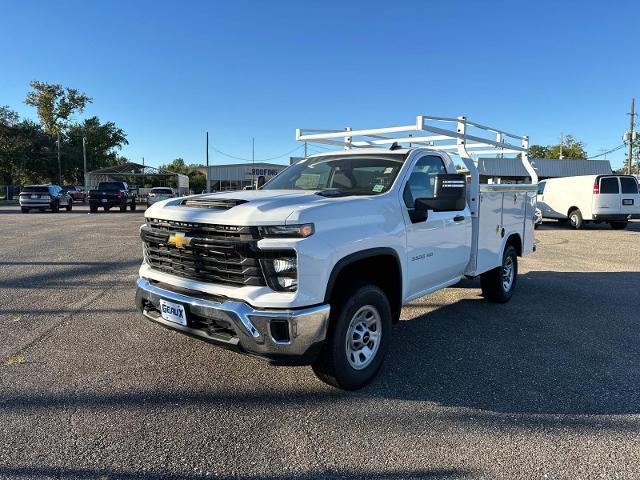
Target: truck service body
{"points": [[314, 267]]}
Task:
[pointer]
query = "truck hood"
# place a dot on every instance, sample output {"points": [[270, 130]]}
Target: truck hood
{"points": [[245, 207]]}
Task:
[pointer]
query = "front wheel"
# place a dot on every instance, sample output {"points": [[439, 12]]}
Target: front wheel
{"points": [[358, 338], [55, 207], [575, 219], [133, 207], [69, 206], [499, 284]]}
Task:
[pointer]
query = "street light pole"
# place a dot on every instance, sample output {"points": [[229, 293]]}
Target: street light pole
{"points": [[59, 161], [84, 156]]}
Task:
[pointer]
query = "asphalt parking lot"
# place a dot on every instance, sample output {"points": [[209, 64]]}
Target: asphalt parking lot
{"points": [[546, 386]]}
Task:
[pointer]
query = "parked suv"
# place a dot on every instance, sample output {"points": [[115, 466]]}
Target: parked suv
{"points": [[44, 197]]}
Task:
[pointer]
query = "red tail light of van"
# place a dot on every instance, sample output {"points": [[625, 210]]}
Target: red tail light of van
{"points": [[596, 188]]}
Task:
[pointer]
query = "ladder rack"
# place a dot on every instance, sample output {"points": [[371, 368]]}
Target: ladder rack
{"points": [[457, 136]]}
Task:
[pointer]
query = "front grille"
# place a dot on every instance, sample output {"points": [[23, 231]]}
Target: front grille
{"points": [[221, 254]]}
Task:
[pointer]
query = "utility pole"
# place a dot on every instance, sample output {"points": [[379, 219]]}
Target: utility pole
{"points": [[208, 171], [253, 162], [59, 162], [629, 159], [84, 157], [561, 145]]}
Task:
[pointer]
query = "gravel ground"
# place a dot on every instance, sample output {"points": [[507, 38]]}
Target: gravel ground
{"points": [[546, 386]]}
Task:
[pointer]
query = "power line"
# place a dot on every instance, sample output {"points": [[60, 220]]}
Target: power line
{"points": [[607, 152], [235, 157]]}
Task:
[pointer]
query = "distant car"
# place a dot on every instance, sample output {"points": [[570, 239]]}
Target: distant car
{"points": [[537, 218], [158, 194], [77, 193], [44, 197], [112, 194]]}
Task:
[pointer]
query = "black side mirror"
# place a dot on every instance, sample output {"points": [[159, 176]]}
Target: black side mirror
{"points": [[261, 181], [449, 194]]}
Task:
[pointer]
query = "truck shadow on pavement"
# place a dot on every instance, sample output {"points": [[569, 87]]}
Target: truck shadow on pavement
{"points": [[566, 343], [93, 474]]}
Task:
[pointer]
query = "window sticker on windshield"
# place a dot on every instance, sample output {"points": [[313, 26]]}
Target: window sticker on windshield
{"points": [[388, 170], [378, 188]]}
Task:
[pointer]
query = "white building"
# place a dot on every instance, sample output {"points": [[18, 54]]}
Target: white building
{"points": [[239, 175]]}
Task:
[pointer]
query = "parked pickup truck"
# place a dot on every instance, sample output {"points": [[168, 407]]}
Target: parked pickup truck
{"points": [[315, 266], [112, 194]]}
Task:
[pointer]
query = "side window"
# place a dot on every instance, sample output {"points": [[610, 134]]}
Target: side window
{"points": [[421, 183], [629, 185], [541, 188], [609, 185]]}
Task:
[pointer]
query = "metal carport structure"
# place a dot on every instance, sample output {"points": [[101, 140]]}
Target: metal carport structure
{"points": [[135, 173]]}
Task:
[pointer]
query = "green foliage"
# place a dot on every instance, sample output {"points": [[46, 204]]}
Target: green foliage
{"points": [[570, 149], [55, 104], [197, 180], [29, 155]]}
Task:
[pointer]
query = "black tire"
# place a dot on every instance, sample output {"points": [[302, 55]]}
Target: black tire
{"points": [[123, 208], [93, 208], [133, 207], [619, 225], [69, 207], [334, 364], [24, 209], [55, 207], [493, 283], [575, 219], [106, 209]]}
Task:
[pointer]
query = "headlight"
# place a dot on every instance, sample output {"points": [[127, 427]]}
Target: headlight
{"points": [[281, 270], [290, 231]]}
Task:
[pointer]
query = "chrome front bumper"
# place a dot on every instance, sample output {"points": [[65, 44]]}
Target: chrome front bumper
{"points": [[288, 336]]}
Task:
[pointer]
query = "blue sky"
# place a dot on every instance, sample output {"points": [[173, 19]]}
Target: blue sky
{"points": [[166, 72]]}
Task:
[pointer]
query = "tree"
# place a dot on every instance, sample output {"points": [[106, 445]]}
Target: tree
{"points": [[55, 104], [8, 117], [569, 149], [197, 180]]}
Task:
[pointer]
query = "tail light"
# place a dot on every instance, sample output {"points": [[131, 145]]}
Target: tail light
{"points": [[88, 195], [596, 188]]}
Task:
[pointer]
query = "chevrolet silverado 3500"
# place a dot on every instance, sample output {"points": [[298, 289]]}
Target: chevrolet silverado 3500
{"points": [[314, 267]]}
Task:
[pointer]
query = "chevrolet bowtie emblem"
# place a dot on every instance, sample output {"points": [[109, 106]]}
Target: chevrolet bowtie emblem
{"points": [[180, 240]]}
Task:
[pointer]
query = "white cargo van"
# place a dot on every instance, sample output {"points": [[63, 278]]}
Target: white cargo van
{"points": [[590, 198]]}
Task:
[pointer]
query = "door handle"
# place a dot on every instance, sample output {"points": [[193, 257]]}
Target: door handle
{"points": [[458, 218]]}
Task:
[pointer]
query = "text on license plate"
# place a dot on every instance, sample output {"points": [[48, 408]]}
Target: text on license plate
{"points": [[173, 312]]}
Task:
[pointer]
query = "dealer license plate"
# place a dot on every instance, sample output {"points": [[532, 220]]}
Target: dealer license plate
{"points": [[173, 312]]}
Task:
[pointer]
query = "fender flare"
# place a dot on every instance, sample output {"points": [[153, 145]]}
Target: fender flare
{"points": [[347, 260]]}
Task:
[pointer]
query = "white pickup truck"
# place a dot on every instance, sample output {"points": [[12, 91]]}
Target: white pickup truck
{"points": [[314, 267]]}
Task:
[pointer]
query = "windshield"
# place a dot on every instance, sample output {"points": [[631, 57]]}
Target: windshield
{"points": [[347, 174]]}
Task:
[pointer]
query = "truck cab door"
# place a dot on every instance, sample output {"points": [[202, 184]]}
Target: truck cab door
{"points": [[439, 246]]}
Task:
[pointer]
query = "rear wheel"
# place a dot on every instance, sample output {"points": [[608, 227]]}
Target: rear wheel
{"points": [[24, 209], [93, 208], [575, 219], [106, 209], [69, 205], [123, 208], [55, 207], [358, 338], [133, 207], [619, 225], [499, 284]]}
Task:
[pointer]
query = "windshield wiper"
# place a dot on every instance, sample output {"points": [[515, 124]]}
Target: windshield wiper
{"points": [[342, 193]]}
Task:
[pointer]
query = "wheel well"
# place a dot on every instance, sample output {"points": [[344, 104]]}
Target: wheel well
{"points": [[515, 240], [571, 209], [382, 270]]}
